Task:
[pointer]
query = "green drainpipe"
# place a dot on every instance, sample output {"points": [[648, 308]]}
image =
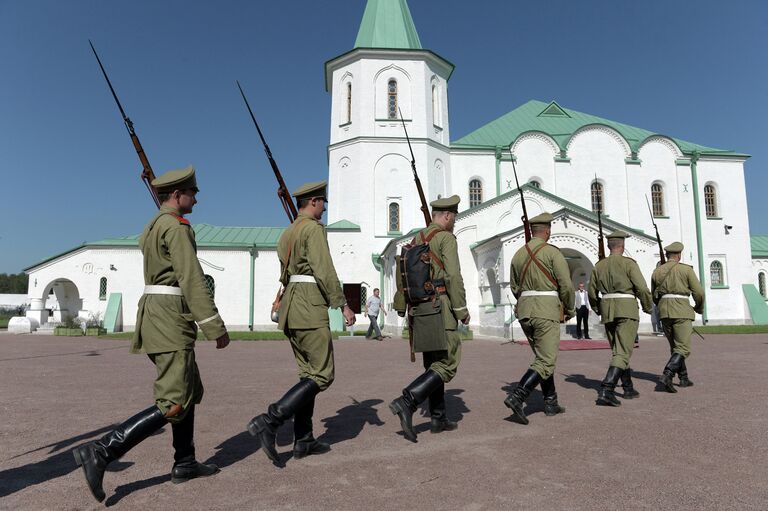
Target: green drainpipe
{"points": [[250, 295], [498, 171], [697, 211]]}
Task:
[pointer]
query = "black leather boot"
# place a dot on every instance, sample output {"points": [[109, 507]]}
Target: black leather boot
{"points": [[415, 393], [551, 406], [626, 384], [264, 426], [95, 456], [516, 399], [683, 374], [439, 420], [672, 367], [606, 396], [304, 443], [185, 466]]}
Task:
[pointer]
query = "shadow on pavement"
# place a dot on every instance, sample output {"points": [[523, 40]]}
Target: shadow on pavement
{"points": [[127, 489], [534, 404], [57, 465], [455, 408], [583, 381], [350, 420]]}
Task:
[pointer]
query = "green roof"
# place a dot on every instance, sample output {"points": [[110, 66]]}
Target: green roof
{"points": [[207, 236], [560, 124], [759, 245], [343, 225], [387, 24]]}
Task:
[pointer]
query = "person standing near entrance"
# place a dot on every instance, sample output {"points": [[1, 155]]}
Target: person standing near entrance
{"points": [[582, 312], [541, 281], [372, 308], [311, 287], [672, 284], [175, 298], [620, 283]]}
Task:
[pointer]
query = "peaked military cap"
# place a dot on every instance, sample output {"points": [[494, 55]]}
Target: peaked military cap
{"points": [[446, 204], [310, 190], [618, 234], [674, 247], [543, 218], [180, 179]]}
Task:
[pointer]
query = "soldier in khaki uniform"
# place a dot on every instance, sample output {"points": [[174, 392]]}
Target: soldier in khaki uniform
{"points": [[541, 282], [175, 298], [435, 323], [620, 283], [672, 284], [311, 287]]}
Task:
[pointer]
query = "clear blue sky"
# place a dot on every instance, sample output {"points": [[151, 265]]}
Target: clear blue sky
{"points": [[693, 70]]}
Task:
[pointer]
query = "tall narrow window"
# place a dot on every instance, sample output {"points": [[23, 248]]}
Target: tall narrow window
{"points": [[210, 284], [598, 202], [349, 102], [716, 273], [657, 199], [392, 99], [394, 217], [710, 201], [103, 288], [761, 284], [434, 106], [475, 193]]}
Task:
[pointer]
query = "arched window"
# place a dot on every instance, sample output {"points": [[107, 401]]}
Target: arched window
{"points": [[716, 273], [394, 217], [598, 201], [710, 201], [349, 102], [435, 106], [657, 199], [534, 183], [392, 99], [475, 193], [210, 284], [761, 284], [103, 288]]}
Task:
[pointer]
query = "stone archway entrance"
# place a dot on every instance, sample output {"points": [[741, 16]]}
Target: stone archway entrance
{"points": [[62, 298], [580, 267]]}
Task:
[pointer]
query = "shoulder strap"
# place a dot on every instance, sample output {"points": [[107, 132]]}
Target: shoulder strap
{"points": [[666, 276], [432, 255], [294, 236], [540, 266]]}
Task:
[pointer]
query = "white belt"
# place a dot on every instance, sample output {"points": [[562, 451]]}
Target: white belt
{"points": [[539, 293], [162, 290], [302, 278], [674, 296], [618, 295]]}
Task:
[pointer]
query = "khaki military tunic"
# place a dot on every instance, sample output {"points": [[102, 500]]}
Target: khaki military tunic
{"points": [[304, 305], [439, 340], [619, 282], [676, 313], [539, 316], [166, 327]]}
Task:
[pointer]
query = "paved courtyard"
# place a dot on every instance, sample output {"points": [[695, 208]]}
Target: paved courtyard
{"points": [[702, 448]]}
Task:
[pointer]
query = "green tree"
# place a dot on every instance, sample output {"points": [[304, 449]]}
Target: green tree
{"points": [[14, 283]]}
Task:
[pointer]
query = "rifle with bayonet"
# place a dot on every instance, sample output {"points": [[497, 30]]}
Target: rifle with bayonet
{"points": [[600, 237], [658, 238], [524, 218], [427, 221], [147, 175], [282, 191]]}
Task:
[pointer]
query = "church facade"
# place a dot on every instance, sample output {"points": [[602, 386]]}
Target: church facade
{"points": [[569, 163]]}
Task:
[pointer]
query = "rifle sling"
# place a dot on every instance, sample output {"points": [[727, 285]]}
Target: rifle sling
{"points": [[543, 270], [432, 255]]}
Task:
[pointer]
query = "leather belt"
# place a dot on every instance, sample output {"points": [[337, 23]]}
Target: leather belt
{"points": [[302, 278], [162, 290]]}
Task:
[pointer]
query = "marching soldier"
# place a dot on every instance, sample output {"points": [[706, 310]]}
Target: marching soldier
{"points": [[620, 283], [175, 298], [435, 324], [671, 284], [541, 282], [311, 287]]}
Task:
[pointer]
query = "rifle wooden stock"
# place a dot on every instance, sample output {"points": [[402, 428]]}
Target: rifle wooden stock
{"points": [[658, 238]]}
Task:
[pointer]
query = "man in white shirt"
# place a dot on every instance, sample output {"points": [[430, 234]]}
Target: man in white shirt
{"points": [[372, 308], [582, 311]]}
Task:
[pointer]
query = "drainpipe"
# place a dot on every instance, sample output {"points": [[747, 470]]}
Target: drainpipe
{"points": [[498, 171], [250, 295], [697, 211]]}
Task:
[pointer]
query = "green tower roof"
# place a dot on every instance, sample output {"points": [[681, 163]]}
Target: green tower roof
{"points": [[387, 24]]}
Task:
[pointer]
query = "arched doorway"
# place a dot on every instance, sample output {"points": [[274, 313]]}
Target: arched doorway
{"points": [[62, 298], [580, 267]]}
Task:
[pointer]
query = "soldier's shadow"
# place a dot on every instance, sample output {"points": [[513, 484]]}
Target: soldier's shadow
{"points": [[59, 464], [534, 404], [455, 408], [350, 420], [583, 381]]}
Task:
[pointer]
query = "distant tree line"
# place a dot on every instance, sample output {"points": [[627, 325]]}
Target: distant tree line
{"points": [[11, 283]]}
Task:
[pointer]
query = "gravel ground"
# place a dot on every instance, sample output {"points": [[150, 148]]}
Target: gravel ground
{"points": [[702, 448]]}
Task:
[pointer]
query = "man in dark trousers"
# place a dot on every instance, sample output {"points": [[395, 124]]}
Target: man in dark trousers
{"points": [[582, 312]]}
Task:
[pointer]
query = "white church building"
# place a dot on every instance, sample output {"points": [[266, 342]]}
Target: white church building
{"points": [[569, 163]]}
